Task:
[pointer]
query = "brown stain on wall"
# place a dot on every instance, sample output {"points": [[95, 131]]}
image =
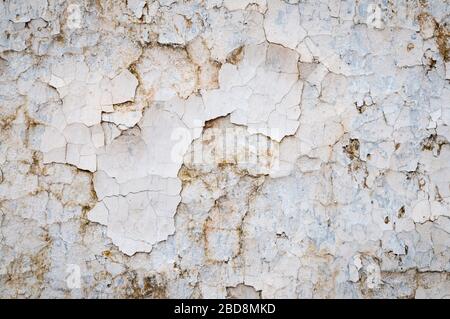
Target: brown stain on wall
{"points": [[150, 287], [441, 33], [236, 55]]}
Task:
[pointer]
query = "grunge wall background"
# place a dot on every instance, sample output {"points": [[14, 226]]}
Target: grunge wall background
{"points": [[224, 148]]}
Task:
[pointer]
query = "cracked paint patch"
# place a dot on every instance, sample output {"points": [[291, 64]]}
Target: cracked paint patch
{"points": [[224, 149]]}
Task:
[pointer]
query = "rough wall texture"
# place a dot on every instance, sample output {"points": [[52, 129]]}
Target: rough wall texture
{"points": [[224, 148]]}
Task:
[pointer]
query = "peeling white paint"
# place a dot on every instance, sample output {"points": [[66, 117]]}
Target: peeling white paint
{"points": [[227, 148]]}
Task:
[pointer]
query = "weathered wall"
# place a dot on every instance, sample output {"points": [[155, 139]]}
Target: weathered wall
{"points": [[224, 148]]}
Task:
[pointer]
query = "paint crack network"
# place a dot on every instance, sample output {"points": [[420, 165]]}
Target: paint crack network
{"points": [[224, 149]]}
